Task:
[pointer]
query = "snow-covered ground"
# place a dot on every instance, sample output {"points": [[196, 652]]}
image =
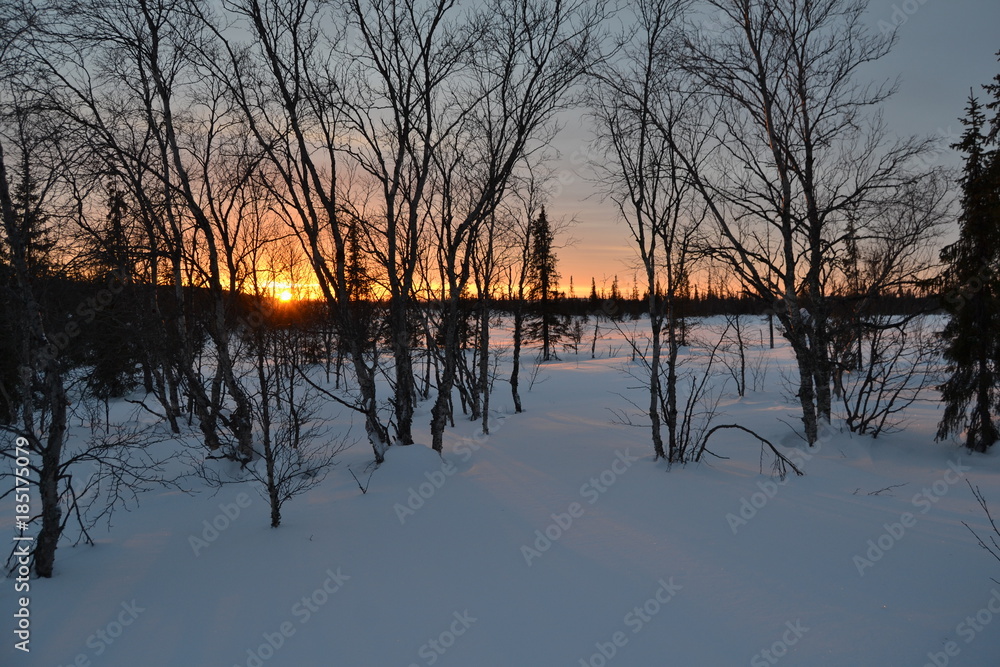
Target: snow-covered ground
{"points": [[556, 540]]}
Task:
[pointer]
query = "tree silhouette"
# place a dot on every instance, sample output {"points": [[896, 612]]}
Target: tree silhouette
{"points": [[546, 326], [972, 293]]}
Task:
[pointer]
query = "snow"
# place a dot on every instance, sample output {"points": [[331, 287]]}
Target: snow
{"points": [[440, 562]]}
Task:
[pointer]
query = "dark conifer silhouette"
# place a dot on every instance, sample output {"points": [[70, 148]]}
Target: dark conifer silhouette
{"points": [[547, 325], [971, 393]]}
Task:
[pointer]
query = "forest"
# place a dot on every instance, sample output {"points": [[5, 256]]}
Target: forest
{"points": [[231, 220]]}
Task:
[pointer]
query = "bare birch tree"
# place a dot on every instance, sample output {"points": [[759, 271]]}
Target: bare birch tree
{"points": [[285, 82], [523, 66], [641, 110], [798, 145]]}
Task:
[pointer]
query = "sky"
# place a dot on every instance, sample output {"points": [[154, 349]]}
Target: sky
{"points": [[945, 48]]}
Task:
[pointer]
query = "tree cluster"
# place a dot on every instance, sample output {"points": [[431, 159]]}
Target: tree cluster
{"points": [[195, 169]]}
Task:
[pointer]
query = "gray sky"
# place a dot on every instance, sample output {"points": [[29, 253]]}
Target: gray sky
{"points": [[945, 48]]}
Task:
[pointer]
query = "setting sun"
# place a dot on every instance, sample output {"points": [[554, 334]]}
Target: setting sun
{"points": [[286, 295]]}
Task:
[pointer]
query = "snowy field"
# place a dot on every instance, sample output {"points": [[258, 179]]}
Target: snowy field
{"points": [[555, 541]]}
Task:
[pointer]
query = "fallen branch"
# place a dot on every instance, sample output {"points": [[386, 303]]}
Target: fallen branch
{"points": [[364, 488], [781, 459]]}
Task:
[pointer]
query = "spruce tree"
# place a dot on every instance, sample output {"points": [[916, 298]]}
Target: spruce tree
{"points": [[119, 336], [359, 284], [971, 393], [10, 345], [33, 224], [543, 277]]}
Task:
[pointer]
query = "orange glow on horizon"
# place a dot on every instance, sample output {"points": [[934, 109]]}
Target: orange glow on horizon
{"points": [[287, 290]]}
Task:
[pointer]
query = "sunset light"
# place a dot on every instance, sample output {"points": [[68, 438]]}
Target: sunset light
{"points": [[288, 290]]}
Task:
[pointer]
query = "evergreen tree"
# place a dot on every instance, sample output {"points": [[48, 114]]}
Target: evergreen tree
{"points": [[10, 346], [358, 282], [118, 335], [994, 90], [543, 278], [367, 325], [33, 224], [971, 393]]}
